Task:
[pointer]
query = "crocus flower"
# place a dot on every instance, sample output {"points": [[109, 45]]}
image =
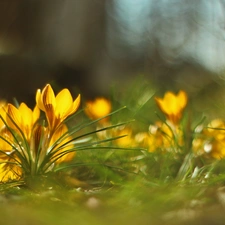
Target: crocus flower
{"points": [[172, 105], [212, 140], [22, 118], [57, 108], [3, 110], [9, 170], [63, 146], [98, 108]]}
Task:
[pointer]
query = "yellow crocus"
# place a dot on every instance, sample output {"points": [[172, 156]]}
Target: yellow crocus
{"points": [[126, 139], [144, 139], [9, 172], [161, 137], [57, 108], [3, 110], [172, 105], [98, 108], [10, 166], [212, 141], [63, 145], [6, 141], [22, 118]]}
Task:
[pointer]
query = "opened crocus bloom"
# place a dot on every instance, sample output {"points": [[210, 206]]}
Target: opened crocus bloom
{"points": [[22, 119], [172, 105], [98, 108], [57, 108]]}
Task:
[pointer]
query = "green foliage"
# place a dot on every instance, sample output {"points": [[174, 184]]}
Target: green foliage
{"points": [[138, 166]]}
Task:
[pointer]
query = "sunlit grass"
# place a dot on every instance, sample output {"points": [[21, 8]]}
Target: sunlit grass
{"points": [[142, 156]]}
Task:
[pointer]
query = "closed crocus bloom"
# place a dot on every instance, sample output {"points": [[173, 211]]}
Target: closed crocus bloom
{"points": [[22, 118], [98, 108], [172, 105], [57, 108]]}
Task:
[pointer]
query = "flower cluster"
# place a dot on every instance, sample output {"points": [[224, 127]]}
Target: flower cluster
{"points": [[36, 141], [99, 109], [164, 135], [29, 145], [210, 140], [168, 135]]}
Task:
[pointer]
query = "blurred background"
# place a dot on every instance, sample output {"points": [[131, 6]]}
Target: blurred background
{"points": [[89, 45]]}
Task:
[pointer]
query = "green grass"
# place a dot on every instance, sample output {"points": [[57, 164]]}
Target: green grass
{"points": [[110, 184]]}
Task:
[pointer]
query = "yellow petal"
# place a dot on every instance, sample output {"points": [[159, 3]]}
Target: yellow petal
{"points": [[9, 172], [3, 114], [48, 97], [39, 100], [26, 116], [76, 104], [60, 131], [172, 105], [160, 104], [64, 103], [7, 135], [36, 139], [49, 102], [68, 156], [14, 114], [36, 114], [182, 98]]}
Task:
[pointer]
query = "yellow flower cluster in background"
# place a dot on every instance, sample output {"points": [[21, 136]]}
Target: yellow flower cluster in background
{"points": [[164, 136], [210, 140], [98, 108], [161, 136]]}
